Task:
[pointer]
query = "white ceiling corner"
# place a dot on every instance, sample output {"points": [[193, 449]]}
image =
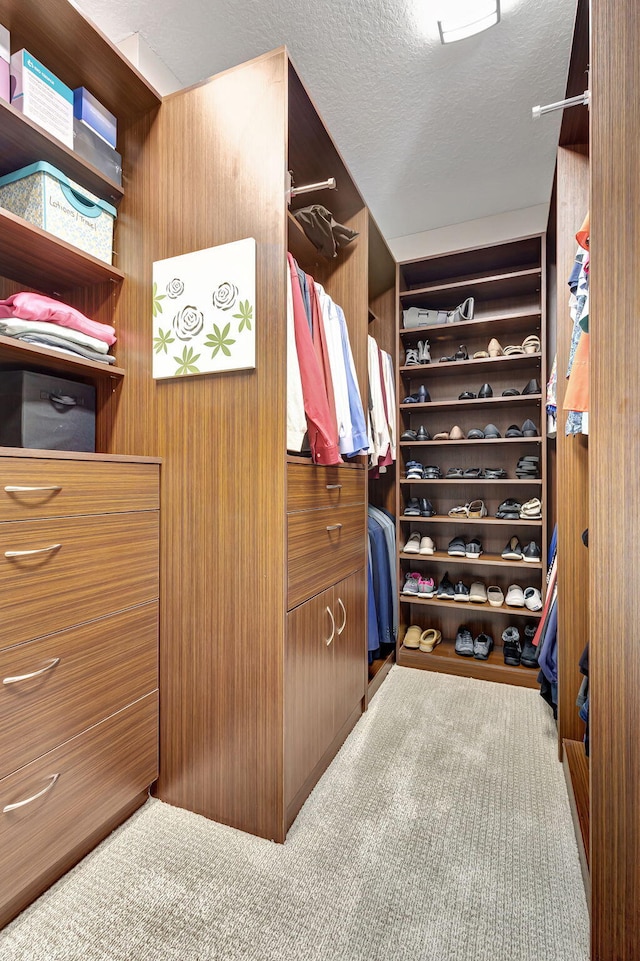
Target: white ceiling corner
{"points": [[433, 135]]}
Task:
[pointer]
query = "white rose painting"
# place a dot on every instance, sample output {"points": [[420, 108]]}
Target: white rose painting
{"points": [[204, 311]]}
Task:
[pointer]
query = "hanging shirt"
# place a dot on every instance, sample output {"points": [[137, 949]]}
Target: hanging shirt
{"points": [[296, 420], [320, 423]]}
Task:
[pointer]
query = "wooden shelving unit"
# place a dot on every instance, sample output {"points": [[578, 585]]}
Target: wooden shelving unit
{"points": [[507, 282], [48, 358]]}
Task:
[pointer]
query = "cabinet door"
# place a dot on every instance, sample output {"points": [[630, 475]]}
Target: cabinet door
{"points": [[350, 654], [308, 688]]}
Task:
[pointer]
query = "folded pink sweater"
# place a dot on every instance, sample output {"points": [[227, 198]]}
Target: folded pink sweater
{"points": [[28, 306]]}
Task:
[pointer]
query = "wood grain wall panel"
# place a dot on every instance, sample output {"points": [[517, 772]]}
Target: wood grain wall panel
{"points": [[130, 424], [614, 505], [222, 438], [572, 486]]}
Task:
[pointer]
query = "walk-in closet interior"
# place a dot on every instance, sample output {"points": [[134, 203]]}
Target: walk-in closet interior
{"points": [[204, 603]]}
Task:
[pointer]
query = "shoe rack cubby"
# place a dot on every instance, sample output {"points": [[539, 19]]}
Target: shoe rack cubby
{"points": [[507, 283]]}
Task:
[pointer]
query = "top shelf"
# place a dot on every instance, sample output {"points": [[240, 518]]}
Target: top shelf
{"points": [[486, 287], [77, 52], [23, 142]]}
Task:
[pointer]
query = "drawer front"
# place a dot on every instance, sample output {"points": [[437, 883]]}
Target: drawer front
{"points": [[310, 487], [323, 547], [104, 564], [98, 773], [54, 688], [58, 488]]}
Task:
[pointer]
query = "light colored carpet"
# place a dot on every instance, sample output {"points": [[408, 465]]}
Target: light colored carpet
{"points": [[441, 832]]}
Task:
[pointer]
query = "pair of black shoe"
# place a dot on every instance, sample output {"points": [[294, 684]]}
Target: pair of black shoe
{"points": [[419, 507], [520, 650], [420, 434], [485, 391], [533, 387], [528, 429]]}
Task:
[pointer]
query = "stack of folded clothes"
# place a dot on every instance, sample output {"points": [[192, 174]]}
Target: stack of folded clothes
{"points": [[36, 319]]}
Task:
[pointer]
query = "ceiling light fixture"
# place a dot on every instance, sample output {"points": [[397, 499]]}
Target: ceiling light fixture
{"points": [[476, 18]]}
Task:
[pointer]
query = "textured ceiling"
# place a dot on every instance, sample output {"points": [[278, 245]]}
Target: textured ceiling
{"points": [[433, 135]]}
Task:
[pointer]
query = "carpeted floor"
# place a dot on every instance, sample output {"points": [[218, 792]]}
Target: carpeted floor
{"points": [[441, 832]]}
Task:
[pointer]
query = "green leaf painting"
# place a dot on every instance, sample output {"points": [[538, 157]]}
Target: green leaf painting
{"points": [[187, 363], [162, 340], [157, 308], [220, 340], [245, 316]]}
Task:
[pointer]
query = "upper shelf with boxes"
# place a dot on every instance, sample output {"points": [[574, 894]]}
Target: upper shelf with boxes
{"points": [[60, 185]]}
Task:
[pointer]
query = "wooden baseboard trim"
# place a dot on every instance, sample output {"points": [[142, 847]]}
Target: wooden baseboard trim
{"points": [[377, 673]]}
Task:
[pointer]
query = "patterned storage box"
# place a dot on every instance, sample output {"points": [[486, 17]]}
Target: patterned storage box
{"points": [[43, 195]]}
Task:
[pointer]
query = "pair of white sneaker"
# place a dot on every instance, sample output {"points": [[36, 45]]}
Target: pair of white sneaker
{"points": [[530, 597]]}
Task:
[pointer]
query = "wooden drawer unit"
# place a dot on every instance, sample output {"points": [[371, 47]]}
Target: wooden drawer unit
{"points": [[43, 487], [310, 487], [323, 546], [103, 563], [53, 688], [51, 806]]}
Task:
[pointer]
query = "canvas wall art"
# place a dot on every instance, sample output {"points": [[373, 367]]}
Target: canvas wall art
{"points": [[204, 311]]}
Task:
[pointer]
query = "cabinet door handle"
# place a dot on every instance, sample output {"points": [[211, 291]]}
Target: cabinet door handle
{"points": [[344, 616], [334, 527], [39, 550], [333, 626], [22, 490], [334, 487], [27, 677], [34, 797]]}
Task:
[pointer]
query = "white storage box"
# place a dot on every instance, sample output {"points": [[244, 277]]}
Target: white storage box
{"points": [[45, 197]]}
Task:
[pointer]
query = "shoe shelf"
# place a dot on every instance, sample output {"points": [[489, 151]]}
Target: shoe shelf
{"points": [[443, 658], [510, 283], [486, 560], [471, 607], [445, 519], [464, 443], [487, 326], [475, 403], [477, 481], [507, 283], [480, 365]]}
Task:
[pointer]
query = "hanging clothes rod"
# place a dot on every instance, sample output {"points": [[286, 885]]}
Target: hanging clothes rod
{"points": [[329, 184], [584, 98]]}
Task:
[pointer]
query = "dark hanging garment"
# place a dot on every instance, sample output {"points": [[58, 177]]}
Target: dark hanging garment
{"points": [[325, 233]]}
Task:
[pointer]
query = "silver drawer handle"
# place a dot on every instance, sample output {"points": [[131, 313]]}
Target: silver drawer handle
{"points": [[333, 626], [22, 490], [344, 616], [34, 797], [39, 550], [27, 677], [334, 527], [334, 487]]}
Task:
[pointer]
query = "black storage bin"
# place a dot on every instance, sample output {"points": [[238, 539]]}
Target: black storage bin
{"points": [[45, 412]]}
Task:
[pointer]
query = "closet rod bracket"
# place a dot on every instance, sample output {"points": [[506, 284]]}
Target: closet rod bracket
{"points": [[329, 184], [582, 99]]}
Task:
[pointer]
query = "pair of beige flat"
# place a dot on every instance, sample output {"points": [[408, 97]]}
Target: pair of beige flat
{"points": [[417, 639], [456, 433], [530, 345]]}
